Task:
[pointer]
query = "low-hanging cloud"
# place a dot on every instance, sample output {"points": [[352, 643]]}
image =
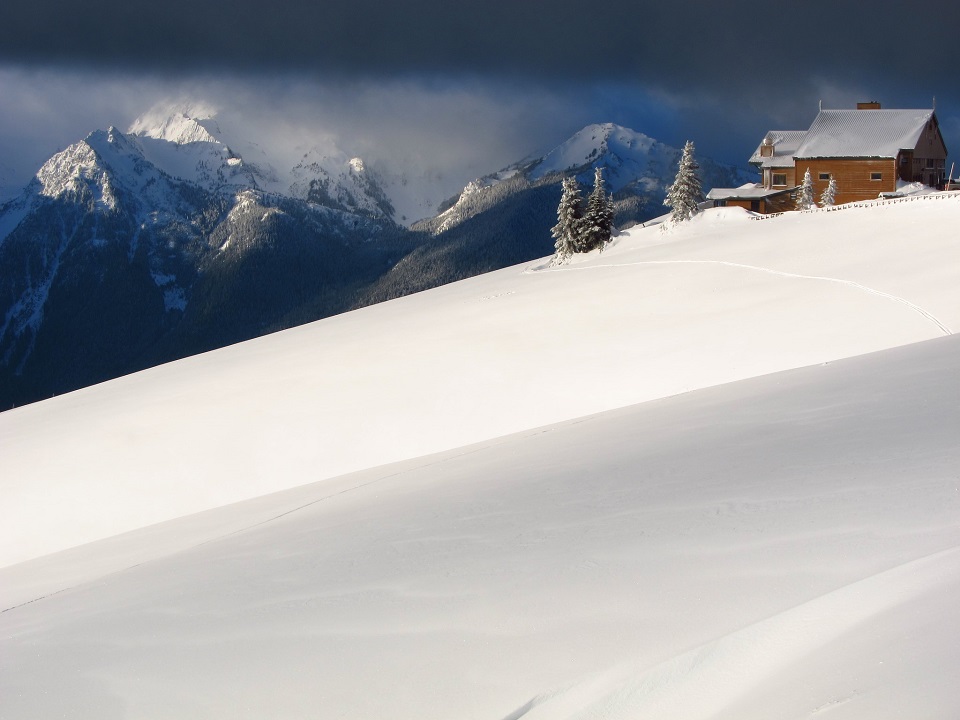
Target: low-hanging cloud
{"points": [[449, 130]]}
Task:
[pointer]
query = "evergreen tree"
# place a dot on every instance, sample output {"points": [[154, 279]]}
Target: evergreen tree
{"points": [[569, 219], [829, 196], [598, 218], [805, 199], [686, 194], [608, 215]]}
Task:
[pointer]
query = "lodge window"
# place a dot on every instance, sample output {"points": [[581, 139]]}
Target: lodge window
{"points": [[824, 176], [876, 176], [779, 178]]}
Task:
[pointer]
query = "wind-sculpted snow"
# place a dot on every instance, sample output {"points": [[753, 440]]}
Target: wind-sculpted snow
{"points": [[784, 546], [741, 676], [434, 370]]}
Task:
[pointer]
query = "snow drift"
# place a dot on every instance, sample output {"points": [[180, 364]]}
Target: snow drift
{"points": [[537, 493]]}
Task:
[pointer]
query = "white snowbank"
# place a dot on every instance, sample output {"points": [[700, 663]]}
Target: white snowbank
{"points": [[781, 547], [722, 299]]}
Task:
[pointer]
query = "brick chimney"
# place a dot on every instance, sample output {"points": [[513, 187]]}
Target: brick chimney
{"points": [[872, 105]]}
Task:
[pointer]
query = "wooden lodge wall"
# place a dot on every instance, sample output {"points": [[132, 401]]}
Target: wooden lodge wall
{"points": [[781, 202], [852, 176], [791, 174]]}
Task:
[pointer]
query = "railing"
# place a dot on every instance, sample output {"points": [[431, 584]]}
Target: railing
{"points": [[866, 203]]}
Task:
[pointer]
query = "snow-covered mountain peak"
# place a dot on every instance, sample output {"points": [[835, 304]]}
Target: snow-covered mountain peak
{"points": [[78, 164], [334, 179], [605, 145], [180, 124]]}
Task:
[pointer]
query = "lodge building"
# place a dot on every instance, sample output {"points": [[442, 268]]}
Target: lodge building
{"points": [[868, 151]]}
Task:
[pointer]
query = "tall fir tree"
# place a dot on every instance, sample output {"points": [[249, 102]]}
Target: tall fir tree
{"points": [[829, 196], [569, 220], [598, 217], [686, 193], [805, 198]]}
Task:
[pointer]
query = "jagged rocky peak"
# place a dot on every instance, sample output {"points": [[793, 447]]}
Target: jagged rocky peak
{"points": [[180, 123], [63, 172]]}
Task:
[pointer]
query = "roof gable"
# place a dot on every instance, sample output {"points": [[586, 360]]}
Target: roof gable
{"points": [[785, 144], [863, 133]]}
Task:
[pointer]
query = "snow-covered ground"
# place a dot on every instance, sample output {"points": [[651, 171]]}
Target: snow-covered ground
{"points": [[537, 493]]}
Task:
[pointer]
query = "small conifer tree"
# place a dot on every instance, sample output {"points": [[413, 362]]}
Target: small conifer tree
{"points": [[598, 217], [805, 198], [686, 193], [569, 217], [608, 216], [829, 196]]}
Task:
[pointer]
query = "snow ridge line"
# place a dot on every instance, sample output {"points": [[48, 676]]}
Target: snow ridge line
{"points": [[741, 659], [850, 283], [470, 450]]}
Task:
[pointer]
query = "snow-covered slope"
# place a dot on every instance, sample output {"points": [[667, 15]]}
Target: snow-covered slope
{"points": [[781, 547], [721, 299]]}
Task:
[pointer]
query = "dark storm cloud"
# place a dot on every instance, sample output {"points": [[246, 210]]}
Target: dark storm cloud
{"points": [[681, 45], [471, 85]]}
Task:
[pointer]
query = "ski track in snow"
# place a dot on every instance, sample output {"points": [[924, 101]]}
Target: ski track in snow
{"points": [[850, 283]]}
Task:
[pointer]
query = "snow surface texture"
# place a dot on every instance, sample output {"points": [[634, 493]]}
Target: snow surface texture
{"points": [[785, 546], [435, 370], [777, 547]]}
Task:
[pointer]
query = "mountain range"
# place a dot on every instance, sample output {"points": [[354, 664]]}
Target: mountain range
{"points": [[130, 249]]}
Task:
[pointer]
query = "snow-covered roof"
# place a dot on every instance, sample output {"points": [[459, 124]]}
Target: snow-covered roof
{"points": [[863, 133], [749, 191], [785, 144]]}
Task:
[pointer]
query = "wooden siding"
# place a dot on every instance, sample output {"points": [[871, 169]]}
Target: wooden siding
{"points": [[781, 202], [928, 160], [852, 176], [738, 202], [768, 174]]}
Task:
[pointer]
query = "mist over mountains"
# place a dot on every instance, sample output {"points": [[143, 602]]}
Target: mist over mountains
{"points": [[130, 249]]}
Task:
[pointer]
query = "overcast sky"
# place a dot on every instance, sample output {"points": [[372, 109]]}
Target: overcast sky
{"points": [[468, 87]]}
